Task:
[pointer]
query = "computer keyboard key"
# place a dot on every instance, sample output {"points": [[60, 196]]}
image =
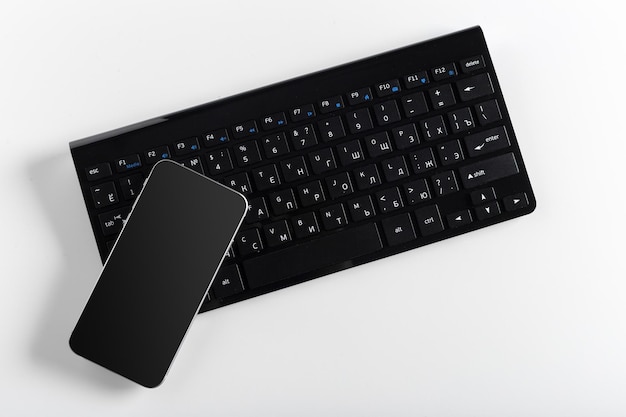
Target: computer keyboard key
{"points": [[474, 87], [361, 95], [367, 177], [308, 257], [294, 169], [483, 195], [350, 152], [153, 156], [227, 281], [339, 185], [414, 104], [216, 137], [416, 191], [461, 120], [331, 104], [257, 210], [244, 129], [247, 153], [472, 64], [416, 79], [219, 161], [239, 182], [277, 233], [445, 183], [99, 171], [442, 96], [429, 220], [387, 112], [359, 121], [127, 163], [303, 137], [303, 112], [387, 88], [487, 141], [398, 229], [450, 153], [515, 202], [322, 160], [104, 194], [249, 241], [488, 210], [488, 170], [331, 129], [266, 177], [444, 71], [361, 208], [194, 164], [333, 217], [389, 200], [283, 201], [378, 144], [433, 128], [459, 218], [422, 160], [405, 136], [273, 121], [488, 112], [131, 186], [109, 246], [111, 222], [275, 145], [311, 193], [305, 225], [186, 146], [395, 168]]}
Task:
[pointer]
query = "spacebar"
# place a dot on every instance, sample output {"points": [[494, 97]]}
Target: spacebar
{"points": [[307, 257]]}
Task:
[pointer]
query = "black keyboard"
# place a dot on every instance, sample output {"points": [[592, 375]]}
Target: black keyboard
{"points": [[340, 167]]}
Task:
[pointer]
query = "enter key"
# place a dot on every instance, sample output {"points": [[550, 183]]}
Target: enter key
{"points": [[487, 141]]}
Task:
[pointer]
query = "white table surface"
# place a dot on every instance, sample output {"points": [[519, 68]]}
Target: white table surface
{"points": [[527, 318]]}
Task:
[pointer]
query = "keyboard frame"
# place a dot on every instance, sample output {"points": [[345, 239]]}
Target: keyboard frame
{"points": [[311, 88]]}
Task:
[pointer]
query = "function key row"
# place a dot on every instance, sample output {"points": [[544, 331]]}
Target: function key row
{"points": [[358, 96]]}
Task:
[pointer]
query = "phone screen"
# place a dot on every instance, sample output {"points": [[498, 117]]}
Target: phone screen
{"points": [[158, 273]]}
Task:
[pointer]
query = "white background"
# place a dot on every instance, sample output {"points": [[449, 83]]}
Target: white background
{"points": [[526, 318]]}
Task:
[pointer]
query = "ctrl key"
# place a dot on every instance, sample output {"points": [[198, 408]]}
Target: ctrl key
{"points": [[227, 281]]}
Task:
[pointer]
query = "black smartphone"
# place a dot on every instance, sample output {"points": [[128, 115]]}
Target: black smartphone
{"points": [[158, 273]]}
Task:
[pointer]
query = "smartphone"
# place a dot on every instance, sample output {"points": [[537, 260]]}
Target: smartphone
{"points": [[158, 273]]}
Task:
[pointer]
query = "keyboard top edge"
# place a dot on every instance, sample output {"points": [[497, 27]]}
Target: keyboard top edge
{"points": [[474, 31]]}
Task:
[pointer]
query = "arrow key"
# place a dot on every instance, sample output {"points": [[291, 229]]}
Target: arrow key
{"points": [[515, 202], [488, 210], [460, 218], [483, 195]]}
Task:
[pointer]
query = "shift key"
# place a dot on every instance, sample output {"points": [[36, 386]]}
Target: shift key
{"points": [[488, 170]]}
